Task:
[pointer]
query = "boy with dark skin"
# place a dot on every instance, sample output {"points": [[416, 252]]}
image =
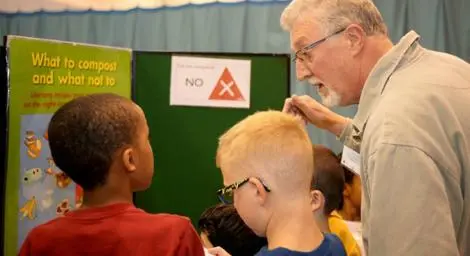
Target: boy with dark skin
{"points": [[101, 142]]}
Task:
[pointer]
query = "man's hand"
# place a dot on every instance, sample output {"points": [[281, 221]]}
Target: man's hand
{"points": [[315, 113], [289, 108]]}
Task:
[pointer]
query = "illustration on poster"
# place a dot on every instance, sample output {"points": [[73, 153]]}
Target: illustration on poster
{"points": [[33, 144], [62, 180], [63, 207], [34, 180], [38, 184]]}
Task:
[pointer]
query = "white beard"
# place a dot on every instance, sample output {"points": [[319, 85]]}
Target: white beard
{"points": [[329, 97]]}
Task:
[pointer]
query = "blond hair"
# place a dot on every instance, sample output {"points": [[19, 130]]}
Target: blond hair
{"points": [[334, 15], [271, 145]]}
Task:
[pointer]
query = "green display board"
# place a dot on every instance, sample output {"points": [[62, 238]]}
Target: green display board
{"points": [[184, 139], [43, 75]]}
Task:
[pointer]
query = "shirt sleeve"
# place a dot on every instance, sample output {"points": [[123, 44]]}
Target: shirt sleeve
{"points": [[351, 136], [190, 244], [340, 229], [408, 211]]}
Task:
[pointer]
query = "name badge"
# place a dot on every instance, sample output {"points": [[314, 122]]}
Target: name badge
{"points": [[352, 160]]}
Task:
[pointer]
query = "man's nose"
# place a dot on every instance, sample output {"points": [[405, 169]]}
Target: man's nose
{"points": [[301, 71]]}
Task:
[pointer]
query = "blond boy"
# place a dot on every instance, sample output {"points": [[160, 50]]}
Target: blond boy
{"points": [[266, 163]]}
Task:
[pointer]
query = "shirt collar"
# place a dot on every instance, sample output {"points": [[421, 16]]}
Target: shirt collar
{"points": [[377, 80]]}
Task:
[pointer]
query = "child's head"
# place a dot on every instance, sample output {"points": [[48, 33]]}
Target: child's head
{"points": [[352, 188], [101, 139], [328, 178], [221, 225], [266, 162]]}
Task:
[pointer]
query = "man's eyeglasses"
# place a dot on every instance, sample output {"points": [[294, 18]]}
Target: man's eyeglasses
{"points": [[225, 194], [303, 52]]}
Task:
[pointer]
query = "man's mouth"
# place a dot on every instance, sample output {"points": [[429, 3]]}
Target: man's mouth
{"points": [[322, 89], [317, 84]]}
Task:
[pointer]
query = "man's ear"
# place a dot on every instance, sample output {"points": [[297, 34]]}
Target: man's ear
{"points": [[128, 160], [317, 200], [261, 193], [356, 37]]}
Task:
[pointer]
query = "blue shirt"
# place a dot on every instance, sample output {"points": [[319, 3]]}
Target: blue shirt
{"points": [[330, 246]]}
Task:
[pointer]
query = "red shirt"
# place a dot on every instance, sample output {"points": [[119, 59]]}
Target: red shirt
{"points": [[119, 229]]}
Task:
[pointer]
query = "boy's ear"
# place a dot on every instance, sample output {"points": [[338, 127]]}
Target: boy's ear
{"points": [[128, 160], [261, 193], [317, 200]]}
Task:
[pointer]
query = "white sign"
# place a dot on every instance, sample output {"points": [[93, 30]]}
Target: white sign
{"points": [[352, 160], [210, 82]]}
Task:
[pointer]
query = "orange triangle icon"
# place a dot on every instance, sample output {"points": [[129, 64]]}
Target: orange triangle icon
{"points": [[226, 88]]}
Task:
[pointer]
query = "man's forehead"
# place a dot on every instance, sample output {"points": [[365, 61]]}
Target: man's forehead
{"points": [[303, 33], [299, 42]]}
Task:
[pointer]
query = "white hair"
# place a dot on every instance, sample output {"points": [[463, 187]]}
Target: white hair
{"points": [[335, 14]]}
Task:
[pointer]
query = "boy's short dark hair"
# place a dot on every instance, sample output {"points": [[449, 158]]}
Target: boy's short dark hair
{"points": [[224, 227], [328, 178], [85, 133]]}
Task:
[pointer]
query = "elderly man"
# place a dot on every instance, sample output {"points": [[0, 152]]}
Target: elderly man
{"points": [[412, 127]]}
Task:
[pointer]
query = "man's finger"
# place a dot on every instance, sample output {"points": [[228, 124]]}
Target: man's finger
{"points": [[287, 105], [301, 103]]}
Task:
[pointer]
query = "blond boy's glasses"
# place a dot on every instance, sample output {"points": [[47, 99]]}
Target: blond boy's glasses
{"points": [[225, 194]]}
